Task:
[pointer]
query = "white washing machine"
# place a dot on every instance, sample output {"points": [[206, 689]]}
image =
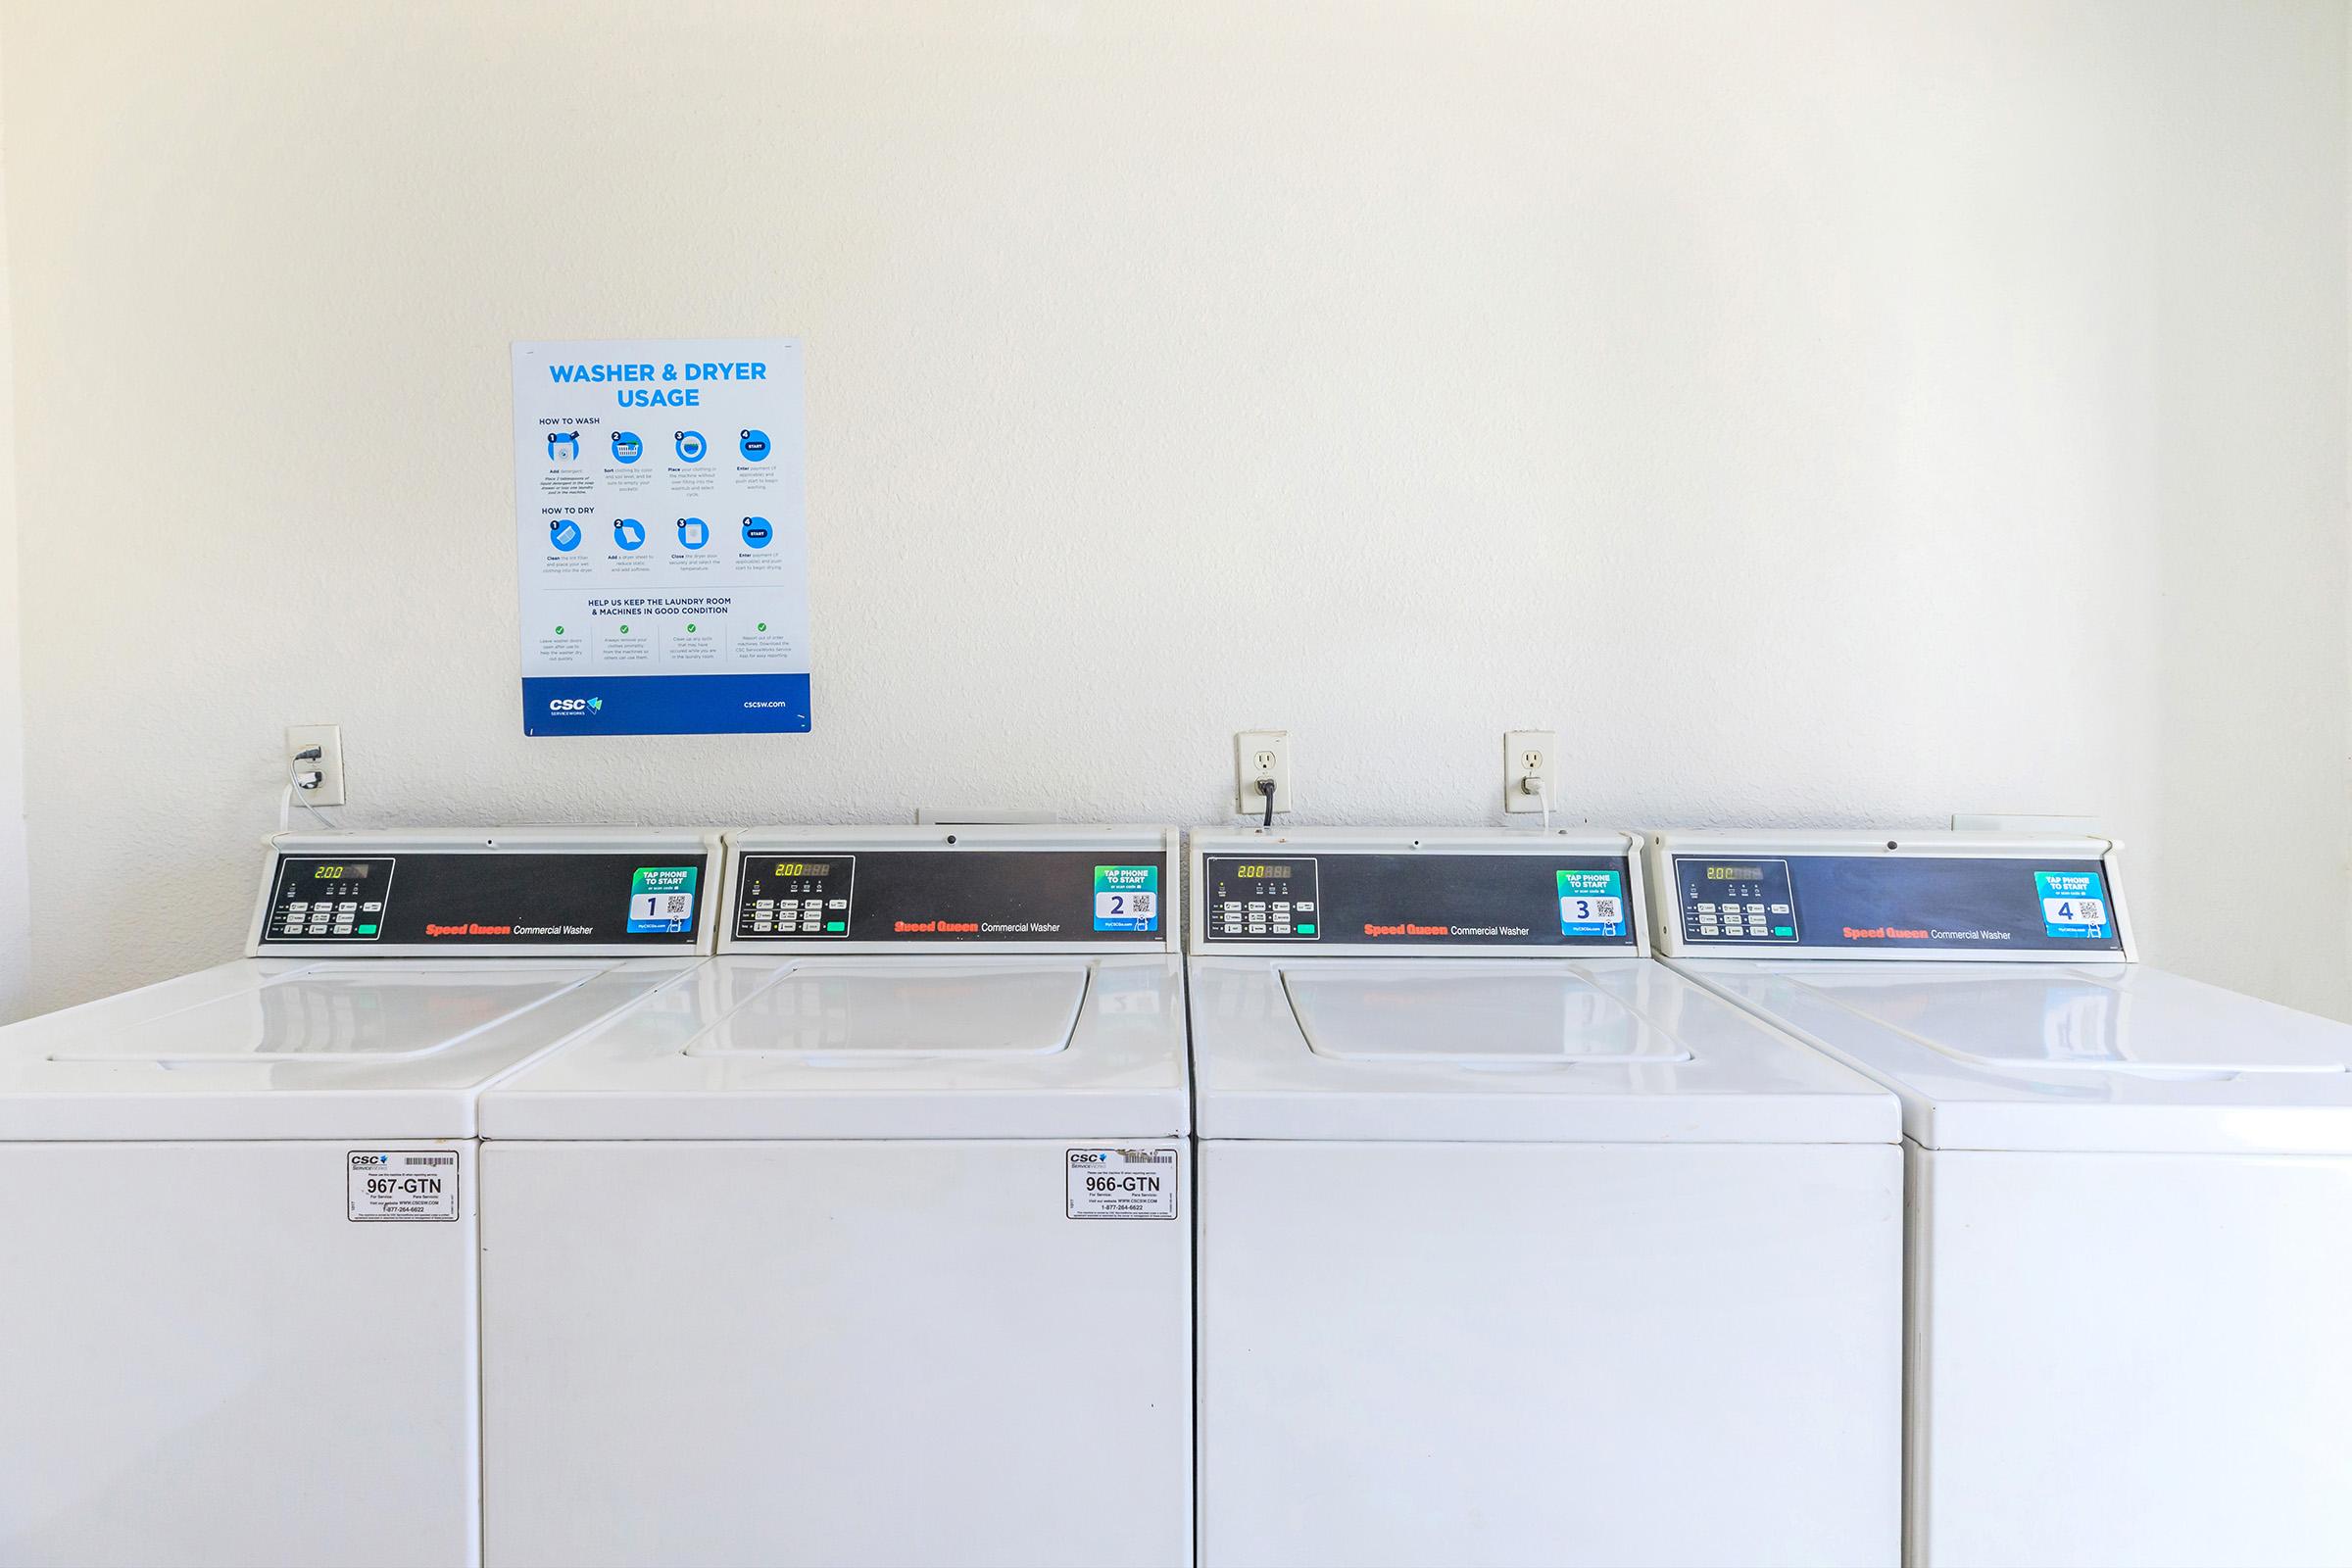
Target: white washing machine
{"points": [[870, 1245], [2131, 1195], [1514, 1246], [237, 1247]]}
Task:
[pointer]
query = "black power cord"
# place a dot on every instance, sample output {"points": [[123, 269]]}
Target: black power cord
{"points": [[1265, 787]]}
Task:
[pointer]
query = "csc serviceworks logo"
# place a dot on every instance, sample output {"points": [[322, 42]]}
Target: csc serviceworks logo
{"points": [[575, 705]]}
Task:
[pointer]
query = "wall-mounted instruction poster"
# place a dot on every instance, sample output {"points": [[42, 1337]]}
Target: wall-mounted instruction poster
{"points": [[662, 548]]}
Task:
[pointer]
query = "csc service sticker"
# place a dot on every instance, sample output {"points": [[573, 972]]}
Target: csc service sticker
{"points": [[402, 1184], [1122, 1183]]}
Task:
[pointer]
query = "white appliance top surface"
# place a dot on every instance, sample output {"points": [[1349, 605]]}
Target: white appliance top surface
{"points": [[2091, 1057], [821, 1011], [1469, 1014], [906, 1045], [1603, 1050], [279, 1047]]}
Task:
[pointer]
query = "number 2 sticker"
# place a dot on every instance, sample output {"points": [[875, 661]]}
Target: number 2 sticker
{"points": [[1127, 898]]}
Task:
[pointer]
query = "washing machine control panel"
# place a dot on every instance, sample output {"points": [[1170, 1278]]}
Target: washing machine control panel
{"points": [[461, 899], [786, 896], [330, 901], [1736, 899], [1431, 898], [1263, 901], [1925, 903], [966, 894]]}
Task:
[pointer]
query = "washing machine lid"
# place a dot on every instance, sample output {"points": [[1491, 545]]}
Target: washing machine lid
{"points": [[331, 1012], [911, 1046], [263, 1047], [1476, 1050], [870, 1009], [2086, 1057], [1411, 1011]]}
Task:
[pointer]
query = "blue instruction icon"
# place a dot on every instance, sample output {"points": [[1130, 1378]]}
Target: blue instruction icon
{"points": [[563, 535], [754, 444], [562, 446], [690, 446], [693, 532], [626, 448], [757, 532], [628, 533]]}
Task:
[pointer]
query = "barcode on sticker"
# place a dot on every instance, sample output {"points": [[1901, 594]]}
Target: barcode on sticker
{"points": [[1122, 1183]]}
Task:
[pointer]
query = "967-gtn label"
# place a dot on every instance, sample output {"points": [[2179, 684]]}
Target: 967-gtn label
{"points": [[403, 1184]]}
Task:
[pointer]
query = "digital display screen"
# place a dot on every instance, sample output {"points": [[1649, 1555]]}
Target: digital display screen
{"points": [[341, 873], [1734, 873], [1269, 873], [804, 869]]}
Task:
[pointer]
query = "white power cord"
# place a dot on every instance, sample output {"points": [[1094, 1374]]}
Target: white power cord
{"points": [[1527, 786], [299, 780]]}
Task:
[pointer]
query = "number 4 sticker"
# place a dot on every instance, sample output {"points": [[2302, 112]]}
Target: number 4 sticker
{"points": [[2074, 905]]}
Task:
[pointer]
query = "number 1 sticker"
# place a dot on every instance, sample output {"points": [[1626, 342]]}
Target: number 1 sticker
{"points": [[661, 898]]}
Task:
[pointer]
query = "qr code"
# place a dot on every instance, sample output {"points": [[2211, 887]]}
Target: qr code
{"points": [[1145, 906], [677, 904]]}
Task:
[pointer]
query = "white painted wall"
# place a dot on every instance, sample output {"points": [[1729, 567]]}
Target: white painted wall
{"points": [[1819, 412], [16, 936]]}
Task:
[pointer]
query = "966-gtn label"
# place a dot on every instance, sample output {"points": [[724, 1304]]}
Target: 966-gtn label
{"points": [[1122, 1183]]}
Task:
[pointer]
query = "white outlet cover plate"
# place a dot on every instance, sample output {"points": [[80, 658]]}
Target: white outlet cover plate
{"points": [[1247, 745], [1516, 744], [328, 738]]}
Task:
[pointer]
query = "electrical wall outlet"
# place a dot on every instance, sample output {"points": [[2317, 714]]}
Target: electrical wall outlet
{"points": [[1261, 754], [1529, 757], [328, 738]]}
